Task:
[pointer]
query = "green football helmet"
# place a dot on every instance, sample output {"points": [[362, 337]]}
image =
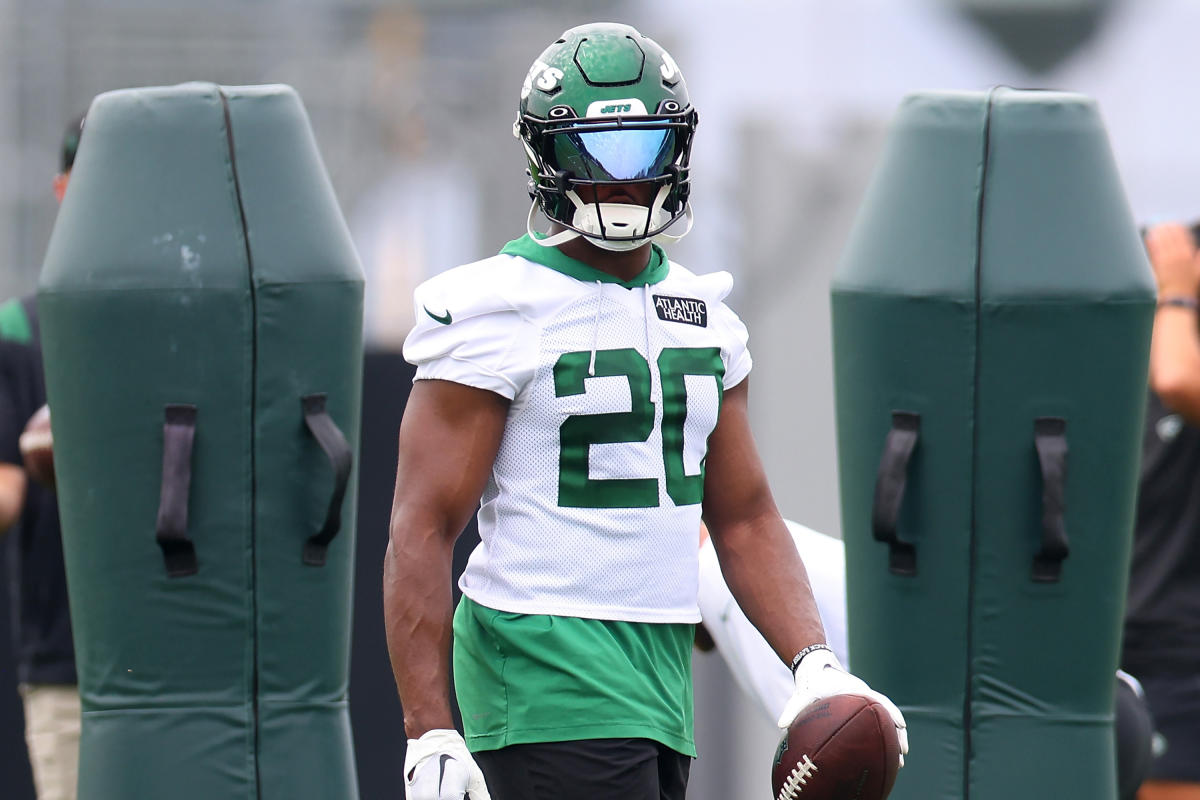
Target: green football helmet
{"points": [[602, 106]]}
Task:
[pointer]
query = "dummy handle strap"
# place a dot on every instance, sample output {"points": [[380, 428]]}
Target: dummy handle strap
{"points": [[330, 437], [170, 530], [890, 484], [1050, 439]]}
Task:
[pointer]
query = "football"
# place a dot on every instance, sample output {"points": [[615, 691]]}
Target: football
{"points": [[37, 447], [840, 748]]}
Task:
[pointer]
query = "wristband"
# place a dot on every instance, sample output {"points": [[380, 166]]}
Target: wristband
{"points": [[811, 648], [1179, 301]]}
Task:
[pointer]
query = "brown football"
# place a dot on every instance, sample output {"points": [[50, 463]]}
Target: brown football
{"points": [[37, 447], [843, 747]]}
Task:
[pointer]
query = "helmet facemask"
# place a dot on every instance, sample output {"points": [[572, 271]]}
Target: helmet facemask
{"points": [[572, 159]]}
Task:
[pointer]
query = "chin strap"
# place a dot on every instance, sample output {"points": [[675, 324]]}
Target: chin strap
{"points": [[547, 240], [563, 236], [670, 238]]}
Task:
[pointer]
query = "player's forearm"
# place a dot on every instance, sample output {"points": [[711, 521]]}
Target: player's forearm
{"points": [[417, 610], [12, 495], [1175, 361], [767, 578], [10, 512]]}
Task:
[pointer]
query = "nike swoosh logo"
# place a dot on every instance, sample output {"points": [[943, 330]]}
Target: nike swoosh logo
{"points": [[444, 759], [445, 320]]}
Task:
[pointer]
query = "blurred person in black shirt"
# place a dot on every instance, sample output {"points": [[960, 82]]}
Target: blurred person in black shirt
{"points": [[37, 577], [1162, 623]]}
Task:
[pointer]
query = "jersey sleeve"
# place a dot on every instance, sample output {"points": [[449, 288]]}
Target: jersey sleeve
{"points": [[468, 333], [734, 336], [736, 353]]}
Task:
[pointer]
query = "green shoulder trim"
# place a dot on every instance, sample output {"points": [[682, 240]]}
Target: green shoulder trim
{"points": [[558, 261], [14, 322]]}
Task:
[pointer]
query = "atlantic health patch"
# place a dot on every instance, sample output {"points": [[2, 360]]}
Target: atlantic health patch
{"points": [[687, 310]]}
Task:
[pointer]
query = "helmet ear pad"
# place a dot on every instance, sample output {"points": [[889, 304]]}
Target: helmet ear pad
{"points": [[683, 189]]}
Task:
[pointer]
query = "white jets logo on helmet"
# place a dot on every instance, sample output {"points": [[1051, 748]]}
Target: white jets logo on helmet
{"points": [[612, 108], [548, 78], [669, 70]]}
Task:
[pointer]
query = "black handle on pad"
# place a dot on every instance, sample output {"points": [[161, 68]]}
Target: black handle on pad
{"points": [[1050, 440], [170, 530], [330, 437], [890, 484]]}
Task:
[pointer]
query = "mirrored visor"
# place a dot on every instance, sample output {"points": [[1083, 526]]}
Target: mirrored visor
{"points": [[626, 154]]}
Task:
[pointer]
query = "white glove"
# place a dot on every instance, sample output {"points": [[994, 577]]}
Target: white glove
{"points": [[819, 675], [438, 766]]}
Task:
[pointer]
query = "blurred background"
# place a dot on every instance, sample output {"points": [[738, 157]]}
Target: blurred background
{"points": [[412, 104]]}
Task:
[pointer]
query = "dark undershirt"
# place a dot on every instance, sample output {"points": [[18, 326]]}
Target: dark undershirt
{"points": [[1162, 625], [36, 577]]}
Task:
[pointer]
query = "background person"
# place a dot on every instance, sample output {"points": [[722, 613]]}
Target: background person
{"points": [[1162, 622], [37, 577]]}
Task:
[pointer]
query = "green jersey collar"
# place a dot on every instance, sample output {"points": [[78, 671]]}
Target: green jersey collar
{"points": [[558, 261]]}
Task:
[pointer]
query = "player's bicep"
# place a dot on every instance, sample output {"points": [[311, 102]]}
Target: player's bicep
{"points": [[735, 483], [449, 437]]}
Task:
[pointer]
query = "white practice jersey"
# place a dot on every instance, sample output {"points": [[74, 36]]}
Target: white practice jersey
{"points": [[593, 505]]}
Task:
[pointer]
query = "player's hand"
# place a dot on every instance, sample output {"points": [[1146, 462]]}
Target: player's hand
{"points": [[37, 447], [1172, 251], [819, 675], [438, 766]]}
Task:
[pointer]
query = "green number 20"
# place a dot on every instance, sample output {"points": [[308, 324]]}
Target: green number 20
{"points": [[579, 431]]}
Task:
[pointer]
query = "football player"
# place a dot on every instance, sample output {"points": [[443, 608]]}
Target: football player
{"points": [[594, 394]]}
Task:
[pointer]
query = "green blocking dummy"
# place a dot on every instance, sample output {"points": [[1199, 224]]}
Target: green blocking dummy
{"points": [[992, 319], [201, 312]]}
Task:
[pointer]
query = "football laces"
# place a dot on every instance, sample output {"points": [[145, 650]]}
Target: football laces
{"points": [[797, 779]]}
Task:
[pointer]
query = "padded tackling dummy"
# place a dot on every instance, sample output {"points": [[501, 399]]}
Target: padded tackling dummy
{"points": [[201, 313], [991, 321]]}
